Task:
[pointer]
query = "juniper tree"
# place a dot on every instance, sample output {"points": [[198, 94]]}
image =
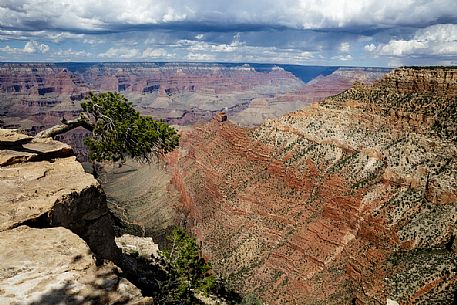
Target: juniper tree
{"points": [[118, 130], [188, 272]]}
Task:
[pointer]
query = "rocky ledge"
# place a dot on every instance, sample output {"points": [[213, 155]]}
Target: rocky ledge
{"points": [[56, 235]]}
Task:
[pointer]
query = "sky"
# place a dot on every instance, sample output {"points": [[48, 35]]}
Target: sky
{"points": [[384, 33]]}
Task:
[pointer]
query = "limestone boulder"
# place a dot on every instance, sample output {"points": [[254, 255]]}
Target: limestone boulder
{"points": [[55, 266]]}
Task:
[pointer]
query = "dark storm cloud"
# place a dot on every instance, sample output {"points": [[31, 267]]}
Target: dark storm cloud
{"points": [[369, 32], [222, 15]]}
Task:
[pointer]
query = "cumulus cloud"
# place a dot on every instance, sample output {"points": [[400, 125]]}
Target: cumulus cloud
{"points": [[438, 39], [33, 47], [370, 47], [345, 47], [55, 36], [155, 53], [346, 57], [30, 47], [11, 50], [122, 53], [134, 53], [324, 32], [197, 50], [198, 45], [403, 47], [240, 51], [200, 57], [70, 53]]}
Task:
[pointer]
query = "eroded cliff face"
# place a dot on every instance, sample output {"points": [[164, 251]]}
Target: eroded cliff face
{"points": [[415, 79], [36, 96], [352, 200], [166, 79], [55, 229], [261, 109]]}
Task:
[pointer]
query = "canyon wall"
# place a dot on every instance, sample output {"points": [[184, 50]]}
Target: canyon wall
{"points": [[349, 201], [276, 105], [167, 79], [37, 96]]}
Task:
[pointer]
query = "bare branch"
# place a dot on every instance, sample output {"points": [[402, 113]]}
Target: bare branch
{"points": [[81, 121]]}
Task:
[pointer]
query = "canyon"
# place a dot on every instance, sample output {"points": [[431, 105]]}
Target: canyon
{"points": [[37, 96], [348, 201], [349, 198]]}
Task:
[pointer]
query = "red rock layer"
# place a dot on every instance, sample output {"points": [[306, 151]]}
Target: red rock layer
{"points": [[324, 86], [41, 79], [329, 205], [279, 232]]}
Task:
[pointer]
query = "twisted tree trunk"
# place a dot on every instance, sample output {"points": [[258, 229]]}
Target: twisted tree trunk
{"points": [[81, 121]]}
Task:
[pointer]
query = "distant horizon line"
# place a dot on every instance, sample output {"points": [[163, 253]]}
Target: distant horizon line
{"points": [[203, 62]]}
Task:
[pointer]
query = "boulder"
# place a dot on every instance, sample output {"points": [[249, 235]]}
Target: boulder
{"points": [[55, 266]]}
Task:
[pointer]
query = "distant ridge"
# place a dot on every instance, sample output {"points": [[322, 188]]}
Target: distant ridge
{"points": [[303, 72]]}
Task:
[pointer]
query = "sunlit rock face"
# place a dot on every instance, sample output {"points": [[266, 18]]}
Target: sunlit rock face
{"points": [[43, 184], [55, 229], [55, 266], [352, 200]]}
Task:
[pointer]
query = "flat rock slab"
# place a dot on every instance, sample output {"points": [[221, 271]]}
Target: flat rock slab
{"points": [[9, 157], [55, 266], [33, 188], [47, 146], [19, 148], [9, 137], [142, 246]]}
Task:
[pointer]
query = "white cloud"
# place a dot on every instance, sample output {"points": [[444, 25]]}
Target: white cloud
{"points": [[240, 51], [438, 32], [439, 39], [55, 36], [29, 47], [133, 53], [346, 57], [345, 47], [34, 47], [121, 53], [155, 53], [70, 53], [108, 14], [200, 57], [206, 30], [198, 45], [44, 48], [402, 47], [370, 47], [11, 50]]}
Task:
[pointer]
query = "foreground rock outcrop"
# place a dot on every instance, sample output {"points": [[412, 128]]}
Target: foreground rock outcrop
{"points": [[350, 201], [43, 185], [55, 229], [55, 266]]}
